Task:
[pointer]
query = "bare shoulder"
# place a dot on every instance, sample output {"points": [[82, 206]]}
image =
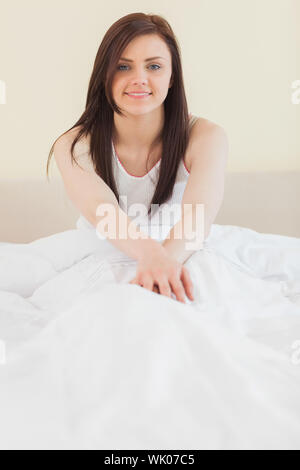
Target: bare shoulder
{"points": [[201, 128], [64, 142], [68, 137], [203, 125]]}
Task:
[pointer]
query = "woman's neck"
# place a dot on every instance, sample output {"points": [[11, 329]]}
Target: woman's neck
{"points": [[138, 136]]}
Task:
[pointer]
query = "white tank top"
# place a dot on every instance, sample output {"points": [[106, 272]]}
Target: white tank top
{"points": [[140, 190]]}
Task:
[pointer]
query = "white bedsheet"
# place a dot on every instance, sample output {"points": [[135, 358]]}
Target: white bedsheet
{"points": [[92, 362]]}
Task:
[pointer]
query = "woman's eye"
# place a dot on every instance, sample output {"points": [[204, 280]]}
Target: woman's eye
{"points": [[152, 65]]}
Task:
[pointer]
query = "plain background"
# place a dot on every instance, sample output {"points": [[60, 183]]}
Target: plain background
{"points": [[240, 59]]}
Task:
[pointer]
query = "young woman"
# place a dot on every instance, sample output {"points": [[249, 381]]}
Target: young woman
{"points": [[136, 139]]}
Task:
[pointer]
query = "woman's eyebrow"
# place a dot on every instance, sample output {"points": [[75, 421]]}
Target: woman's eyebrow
{"points": [[146, 60]]}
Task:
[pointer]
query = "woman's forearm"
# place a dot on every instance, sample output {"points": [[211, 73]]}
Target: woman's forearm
{"points": [[120, 230], [187, 235]]}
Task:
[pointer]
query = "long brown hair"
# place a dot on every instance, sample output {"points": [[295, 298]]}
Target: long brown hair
{"points": [[97, 120]]}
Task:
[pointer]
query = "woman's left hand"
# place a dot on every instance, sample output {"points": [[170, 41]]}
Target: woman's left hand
{"points": [[186, 278]]}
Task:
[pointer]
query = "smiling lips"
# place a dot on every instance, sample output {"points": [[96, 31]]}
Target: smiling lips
{"points": [[139, 95]]}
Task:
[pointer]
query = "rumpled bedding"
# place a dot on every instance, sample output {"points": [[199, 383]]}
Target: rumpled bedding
{"points": [[89, 361]]}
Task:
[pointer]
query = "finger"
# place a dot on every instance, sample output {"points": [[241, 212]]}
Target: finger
{"points": [[147, 282], [134, 282], [164, 287], [178, 290], [187, 282]]}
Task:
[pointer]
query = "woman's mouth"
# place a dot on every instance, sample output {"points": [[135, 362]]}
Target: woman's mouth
{"points": [[138, 96]]}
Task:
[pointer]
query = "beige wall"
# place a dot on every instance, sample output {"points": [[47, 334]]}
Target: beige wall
{"points": [[240, 58]]}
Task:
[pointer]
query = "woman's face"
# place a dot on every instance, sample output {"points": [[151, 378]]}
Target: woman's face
{"points": [[142, 75]]}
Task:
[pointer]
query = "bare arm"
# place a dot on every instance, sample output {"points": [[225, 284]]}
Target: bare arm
{"points": [[209, 155], [89, 193]]}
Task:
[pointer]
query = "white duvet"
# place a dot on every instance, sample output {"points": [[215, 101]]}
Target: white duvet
{"points": [[88, 361]]}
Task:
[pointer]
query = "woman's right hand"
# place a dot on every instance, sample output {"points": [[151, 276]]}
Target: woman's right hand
{"points": [[161, 270]]}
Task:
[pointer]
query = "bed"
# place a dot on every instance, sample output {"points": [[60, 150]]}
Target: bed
{"points": [[88, 361]]}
